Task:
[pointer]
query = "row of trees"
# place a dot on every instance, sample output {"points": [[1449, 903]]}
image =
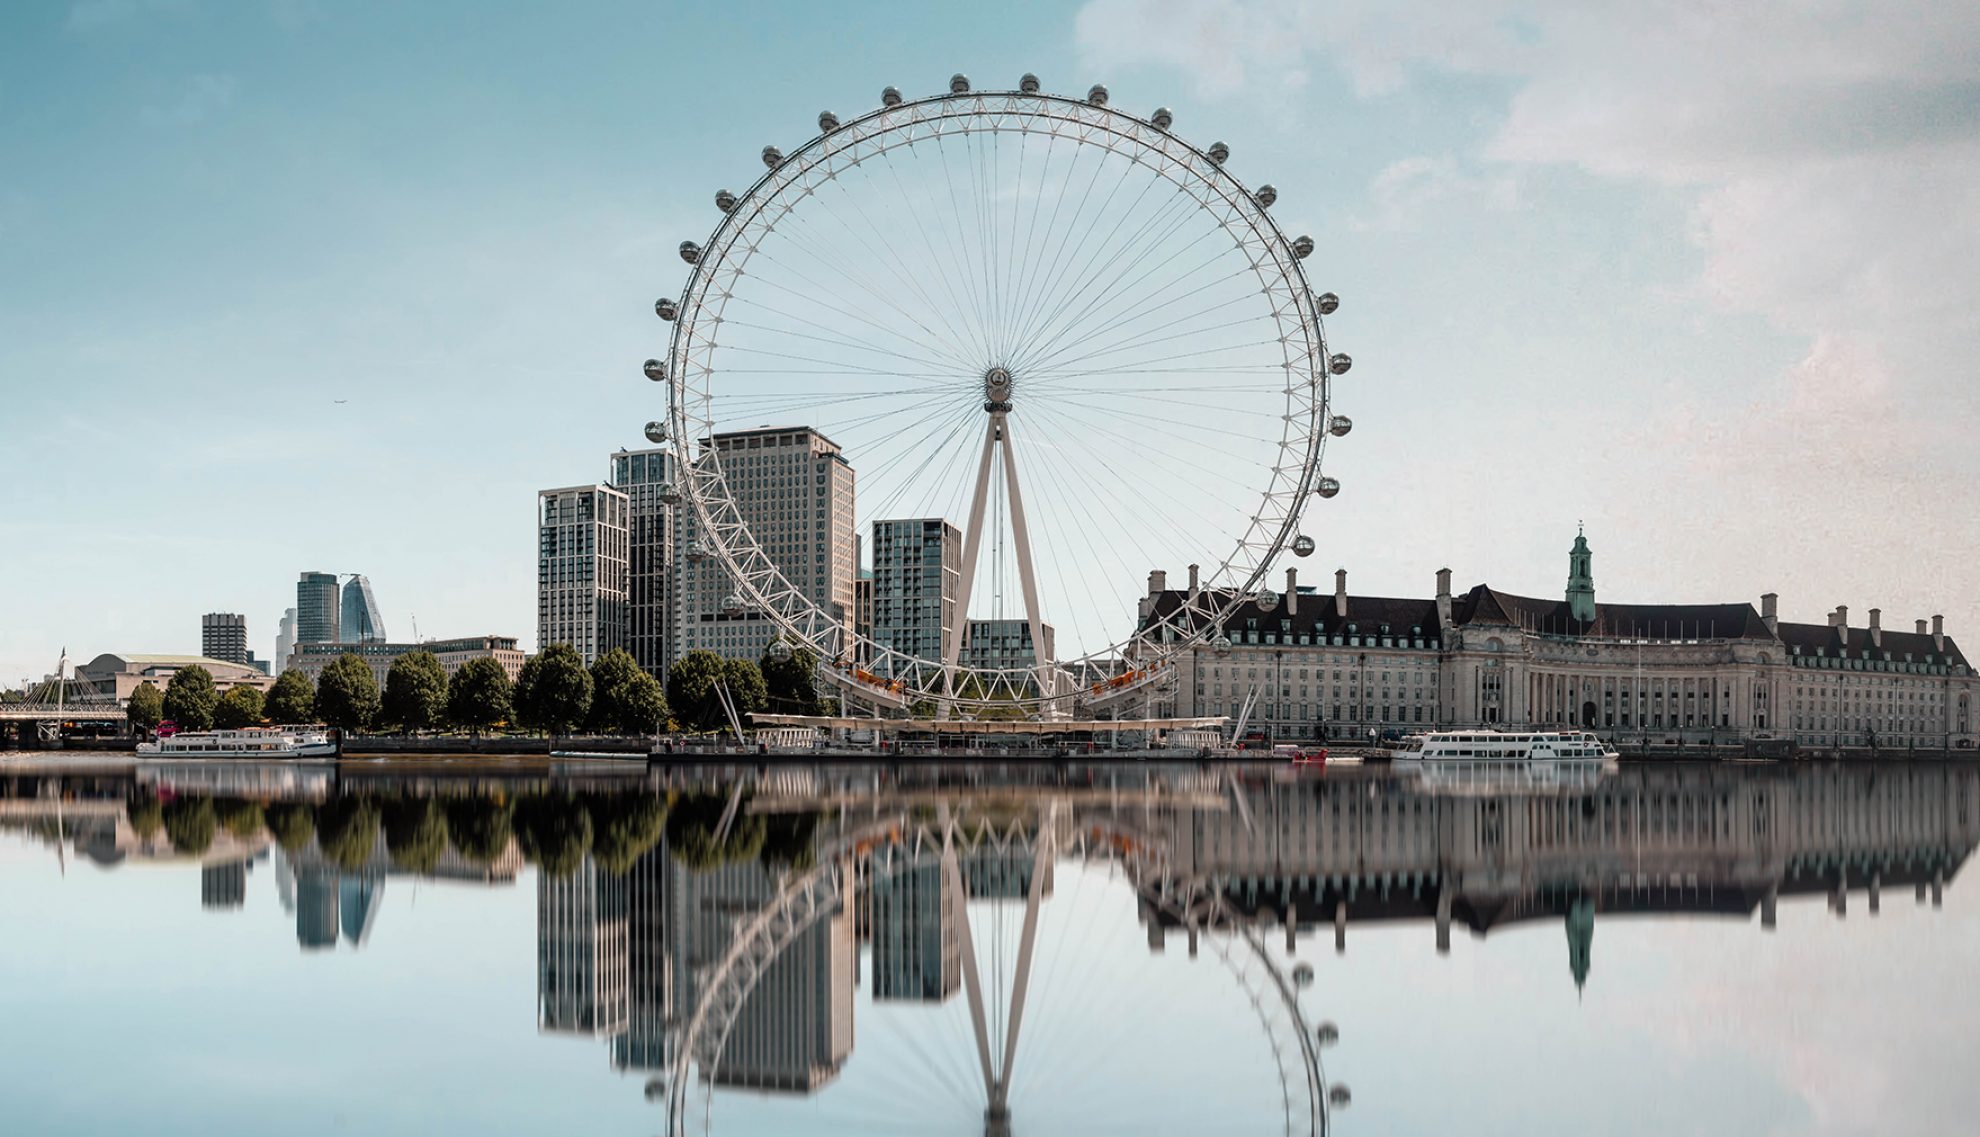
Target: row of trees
{"points": [[554, 693], [554, 830]]}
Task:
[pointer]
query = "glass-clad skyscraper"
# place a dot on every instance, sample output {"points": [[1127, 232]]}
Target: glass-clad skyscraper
{"points": [[361, 620], [317, 608]]}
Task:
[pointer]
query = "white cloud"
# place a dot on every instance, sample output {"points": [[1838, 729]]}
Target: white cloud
{"points": [[1408, 188], [204, 96]]}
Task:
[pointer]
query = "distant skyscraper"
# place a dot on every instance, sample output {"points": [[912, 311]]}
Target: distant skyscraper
{"points": [[285, 640], [582, 978], [642, 475], [317, 608], [917, 946], [917, 572], [223, 886], [223, 635], [794, 490], [360, 619], [581, 569]]}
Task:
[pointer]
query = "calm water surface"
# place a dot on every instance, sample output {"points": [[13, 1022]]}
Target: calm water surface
{"points": [[491, 949]]}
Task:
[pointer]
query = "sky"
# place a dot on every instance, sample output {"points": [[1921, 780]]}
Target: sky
{"points": [[304, 285]]}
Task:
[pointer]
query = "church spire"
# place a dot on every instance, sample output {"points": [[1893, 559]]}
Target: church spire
{"points": [[1581, 578]]}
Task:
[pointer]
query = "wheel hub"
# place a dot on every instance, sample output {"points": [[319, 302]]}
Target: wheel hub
{"points": [[997, 383]]}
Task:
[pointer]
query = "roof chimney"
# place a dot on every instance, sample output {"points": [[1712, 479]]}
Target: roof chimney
{"points": [[1939, 632], [1192, 582], [1921, 628], [1877, 627], [1340, 593], [1158, 582], [1443, 598], [1292, 592], [1770, 609], [1842, 620]]}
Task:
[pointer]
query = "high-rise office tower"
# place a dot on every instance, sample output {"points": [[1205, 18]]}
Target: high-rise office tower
{"points": [[223, 635], [223, 885], [317, 608], [582, 980], [917, 572], [643, 475], [581, 569], [285, 640], [794, 489], [360, 620], [917, 943]]}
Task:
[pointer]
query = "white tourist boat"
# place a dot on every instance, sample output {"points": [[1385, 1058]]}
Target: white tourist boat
{"points": [[1476, 746], [252, 742]]}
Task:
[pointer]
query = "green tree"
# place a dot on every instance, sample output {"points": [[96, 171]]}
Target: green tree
{"points": [[556, 690], [347, 829], [790, 841], [691, 828], [239, 707], [691, 690], [746, 687], [415, 833], [554, 831], [241, 818], [624, 698], [147, 816], [790, 684], [292, 699], [146, 707], [291, 824], [623, 827], [190, 822], [480, 827], [415, 692], [478, 695], [191, 698], [347, 694]]}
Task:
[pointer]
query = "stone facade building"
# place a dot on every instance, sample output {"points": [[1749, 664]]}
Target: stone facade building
{"points": [[1312, 666]]}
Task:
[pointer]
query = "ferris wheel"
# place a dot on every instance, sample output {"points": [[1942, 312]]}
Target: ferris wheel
{"points": [[1073, 344]]}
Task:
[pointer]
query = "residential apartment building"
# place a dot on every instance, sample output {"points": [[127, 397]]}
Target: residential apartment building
{"points": [[646, 478], [581, 569], [794, 490], [1003, 645], [917, 574]]}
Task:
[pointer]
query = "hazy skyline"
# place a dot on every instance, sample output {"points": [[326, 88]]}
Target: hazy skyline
{"points": [[1700, 280]]}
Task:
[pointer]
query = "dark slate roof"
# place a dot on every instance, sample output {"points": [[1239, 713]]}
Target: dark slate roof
{"points": [[1315, 613], [1831, 640], [1485, 605]]}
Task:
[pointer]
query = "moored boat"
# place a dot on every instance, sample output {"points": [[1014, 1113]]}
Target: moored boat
{"points": [[249, 742], [1504, 746]]}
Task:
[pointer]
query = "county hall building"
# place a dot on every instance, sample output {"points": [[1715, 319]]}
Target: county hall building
{"points": [[1313, 666]]}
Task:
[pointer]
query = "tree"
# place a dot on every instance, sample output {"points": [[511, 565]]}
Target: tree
{"points": [[347, 829], [790, 683], [691, 690], [790, 841], [623, 828], [237, 816], [191, 698], [291, 700], [554, 831], [746, 687], [624, 698], [415, 692], [147, 816], [291, 824], [478, 695], [556, 690], [415, 833], [146, 707], [691, 826], [189, 822], [239, 707], [479, 827], [347, 694]]}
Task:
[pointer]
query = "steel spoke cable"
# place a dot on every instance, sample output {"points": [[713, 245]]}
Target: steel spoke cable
{"points": [[947, 277], [1024, 265], [1127, 279], [949, 426], [1189, 280], [831, 338], [1068, 286], [934, 341], [1167, 420], [852, 313], [906, 274], [1173, 330], [1158, 224], [1049, 278], [964, 260], [1132, 445], [1039, 268]]}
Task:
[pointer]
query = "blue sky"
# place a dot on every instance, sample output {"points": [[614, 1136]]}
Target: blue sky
{"points": [[1703, 282]]}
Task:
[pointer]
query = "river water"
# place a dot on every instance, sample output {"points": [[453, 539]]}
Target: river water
{"points": [[495, 947]]}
